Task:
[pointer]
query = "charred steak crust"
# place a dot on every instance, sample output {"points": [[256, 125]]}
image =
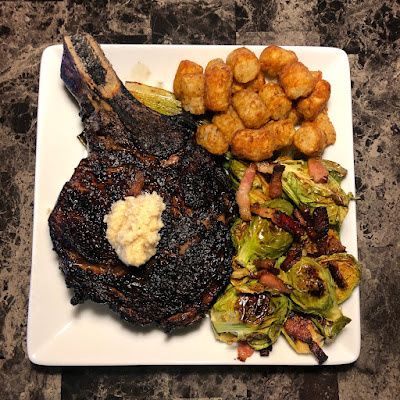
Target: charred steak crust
{"points": [[194, 257]]}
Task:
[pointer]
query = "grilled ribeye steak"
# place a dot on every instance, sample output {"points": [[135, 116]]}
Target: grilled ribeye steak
{"points": [[132, 150]]}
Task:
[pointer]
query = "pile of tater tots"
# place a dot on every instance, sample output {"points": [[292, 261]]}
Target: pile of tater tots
{"points": [[259, 105]]}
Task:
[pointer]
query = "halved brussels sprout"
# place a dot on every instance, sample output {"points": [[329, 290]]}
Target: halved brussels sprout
{"points": [[255, 318], [313, 289], [260, 239], [302, 190], [330, 329], [345, 271]]}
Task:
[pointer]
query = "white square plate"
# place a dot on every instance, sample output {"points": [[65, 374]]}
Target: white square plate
{"points": [[91, 334]]}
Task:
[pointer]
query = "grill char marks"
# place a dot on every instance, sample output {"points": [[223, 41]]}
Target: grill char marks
{"points": [[193, 260]]}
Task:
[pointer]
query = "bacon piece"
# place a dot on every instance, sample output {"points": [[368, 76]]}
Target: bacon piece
{"points": [[336, 274], [287, 223], [275, 186], [267, 264], [298, 328], [292, 257], [317, 170], [265, 167], [265, 352], [271, 281], [242, 195], [262, 211], [244, 351], [170, 161], [334, 245]]}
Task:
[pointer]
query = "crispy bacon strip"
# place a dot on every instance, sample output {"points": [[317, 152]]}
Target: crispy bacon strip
{"points": [[275, 186], [321, 227], [266, 263], [317, 170], [262, 211], [336, 274], [244, 351], [242, 195], [292, 257], [287, 223], [334, 245], [298, 328], [271, 281]]}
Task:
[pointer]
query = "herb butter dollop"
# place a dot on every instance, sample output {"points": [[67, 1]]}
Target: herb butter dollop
{"points": [[133, 226]]}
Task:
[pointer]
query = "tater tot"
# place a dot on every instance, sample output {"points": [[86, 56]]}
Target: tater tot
{"points": [[294, 116], [316, 101], [310, 139], [185, 67], [228, 122], [276, 101], [323, 122], [274, 58], [253, 144], [212, 139], [192, 93], [244, 64], [296, 80], [217, 85], [255, 85], [283, 131], [250, 108], [317, 75]]}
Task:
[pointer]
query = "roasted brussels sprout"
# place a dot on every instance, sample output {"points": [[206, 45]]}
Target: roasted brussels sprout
{"points": [[302, 190], [345, 271], [330, 329], [260, 239], [255, 318], [313, 289]]}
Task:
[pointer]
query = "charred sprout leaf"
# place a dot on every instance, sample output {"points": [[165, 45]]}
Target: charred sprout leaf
{"points": [[330, 329], [255, 318], [302, 190], [336, 171], [313, 289], [261, 239], [280, 205], [345, 271]]}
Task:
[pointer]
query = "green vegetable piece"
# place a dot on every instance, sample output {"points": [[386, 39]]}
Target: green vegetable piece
{"points": [[281, 205], [256, 318], [302, 190], [313, 289], [330, 329], [345, 271], [260, 239]]}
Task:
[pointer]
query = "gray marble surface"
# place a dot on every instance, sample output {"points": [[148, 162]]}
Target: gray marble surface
{"points": [[368, 31]]}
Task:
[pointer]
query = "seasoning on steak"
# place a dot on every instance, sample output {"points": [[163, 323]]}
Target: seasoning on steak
{"points": [[134, 149]]}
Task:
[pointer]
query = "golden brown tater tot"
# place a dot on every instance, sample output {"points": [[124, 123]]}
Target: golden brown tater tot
{"points": [[212, 139], [310, 139], [274, 58], [255, 85], [192, 93], [296, 80], [185, 67], [244, 64], [274, 98], [316, 101], [217, 85], [283, 131], [323, 122], [253, 144], [250, 108], [228, 122]]}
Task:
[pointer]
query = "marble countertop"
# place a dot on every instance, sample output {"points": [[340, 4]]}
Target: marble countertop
{"points": [[369, 31]]}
